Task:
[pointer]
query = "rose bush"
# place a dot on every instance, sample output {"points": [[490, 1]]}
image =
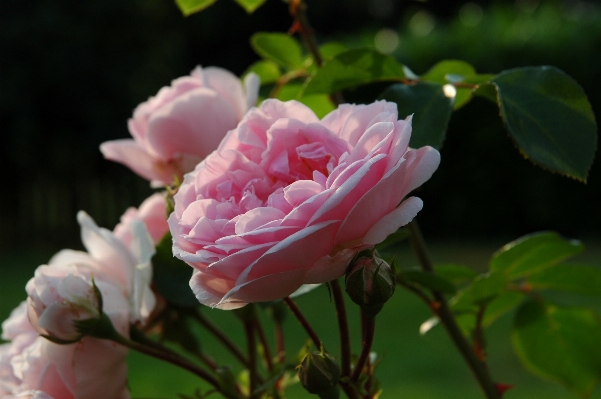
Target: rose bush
{"points": [[183, 123], [288, 199]]}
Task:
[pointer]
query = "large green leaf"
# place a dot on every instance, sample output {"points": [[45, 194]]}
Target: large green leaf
{"points": [[484, 289], [571, 278], [319, 103], [250, 5], [533, 253], [560, 344], [171, 276], [501, 305], [431, 109], [189, 7], [278, 47], [457, 274], [353, 68], [549, 118]]}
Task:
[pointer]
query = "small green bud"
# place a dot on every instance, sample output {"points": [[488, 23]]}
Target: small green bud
{"points": [[370, 283], [319, 374]]}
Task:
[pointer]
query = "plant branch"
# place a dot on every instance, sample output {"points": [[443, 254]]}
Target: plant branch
{"points": [[368, 324], [345, 341], [478, 367], [249, 329], [264, 344], [303, 321], [220, 335]]}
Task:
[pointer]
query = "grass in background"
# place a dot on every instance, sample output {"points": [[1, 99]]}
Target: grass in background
{"points": [[413, 366]]}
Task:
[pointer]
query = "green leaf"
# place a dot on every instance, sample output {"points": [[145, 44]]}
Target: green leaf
{"points": [[319, 103], [268, 71], [457, 274], [501, 305], [533, 253], [171, 276], [278, 47], [549, 118], [428, 280], [331, 49], [189, 7], [571, 278], [250, 5], [431, 108], [484, 289], [353, 68], [560, 344], [452, 71]]}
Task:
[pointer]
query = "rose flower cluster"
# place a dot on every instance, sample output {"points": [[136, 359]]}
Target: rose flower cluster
{"points": [[272, 198]]}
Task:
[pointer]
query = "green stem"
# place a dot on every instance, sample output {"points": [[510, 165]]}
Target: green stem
{"points": [[345, 340], [368, 324], [478, 367], [264, 344]]}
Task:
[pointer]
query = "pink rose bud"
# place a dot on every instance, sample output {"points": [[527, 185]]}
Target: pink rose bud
{"points": [[370, 283], [59, 296], [183, 123], [289, 199], [319, 374]]}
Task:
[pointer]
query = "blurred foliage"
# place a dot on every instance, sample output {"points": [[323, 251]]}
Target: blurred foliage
{"points": [[72, 72]]}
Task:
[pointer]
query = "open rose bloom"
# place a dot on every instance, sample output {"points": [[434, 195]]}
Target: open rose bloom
{"points": [[183, 123], [288, 199]]}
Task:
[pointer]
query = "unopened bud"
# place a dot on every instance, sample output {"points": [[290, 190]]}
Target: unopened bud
{"points": [[319, 374], [370, 283]]}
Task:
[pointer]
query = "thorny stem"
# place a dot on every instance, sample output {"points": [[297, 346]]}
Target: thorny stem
{"points": [[345, 341], [301, 25], [220, 335], [368, 324], [303, 321], [478, 367]]}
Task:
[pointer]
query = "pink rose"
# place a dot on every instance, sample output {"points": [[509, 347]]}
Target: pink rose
{"points": [[183, 123], [154, 215], [288, 199], [59, 296]]}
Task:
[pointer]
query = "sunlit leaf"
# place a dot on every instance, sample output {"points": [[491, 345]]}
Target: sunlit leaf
{"points": [[431, 107], [533, 253], [278, 47], [321, 104], [250, 5], [268, 71], [189, 7], [452, 71], [353, 68], [571, 278], [560, 344], [549, 118]]}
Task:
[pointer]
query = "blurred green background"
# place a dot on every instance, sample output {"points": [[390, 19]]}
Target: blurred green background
{"points": [[71, 73]]}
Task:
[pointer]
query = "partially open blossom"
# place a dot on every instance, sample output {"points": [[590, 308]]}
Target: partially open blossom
{"points": [[288, 199], [59, 296], [183, 123], [154, 215]]}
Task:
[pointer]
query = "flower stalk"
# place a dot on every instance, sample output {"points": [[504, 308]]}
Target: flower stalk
{"points": [[443, 311]]}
